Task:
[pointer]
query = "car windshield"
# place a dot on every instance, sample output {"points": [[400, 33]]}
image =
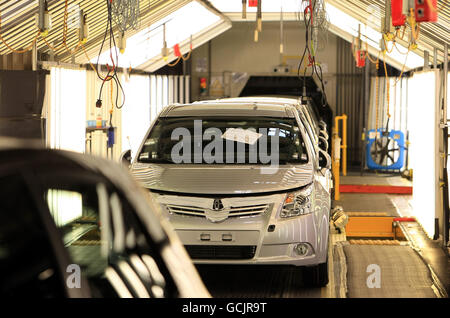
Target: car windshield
{"points": [[219, 140]]}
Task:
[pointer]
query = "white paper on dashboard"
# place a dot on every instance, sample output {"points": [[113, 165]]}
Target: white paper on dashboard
{"points": [[240, 135]]}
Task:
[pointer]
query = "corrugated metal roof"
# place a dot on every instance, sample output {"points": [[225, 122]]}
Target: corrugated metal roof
{"points": [[19, 30], [432, 35]]}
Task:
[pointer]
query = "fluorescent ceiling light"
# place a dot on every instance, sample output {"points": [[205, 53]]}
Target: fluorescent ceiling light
{"points": [[192, 19], [348, 24]]}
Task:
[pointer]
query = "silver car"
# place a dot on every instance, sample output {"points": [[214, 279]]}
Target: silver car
{"points": [[250, 206]]}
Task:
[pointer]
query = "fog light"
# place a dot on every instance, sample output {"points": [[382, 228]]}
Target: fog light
{"points": [[301, 249]]}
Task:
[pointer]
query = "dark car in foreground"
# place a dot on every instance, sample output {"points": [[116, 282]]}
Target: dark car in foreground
{"points": [[73, 225]]}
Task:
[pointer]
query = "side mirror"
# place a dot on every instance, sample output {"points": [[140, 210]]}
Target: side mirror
{"points": [[125, 157], [324, 160], [323, 143]]}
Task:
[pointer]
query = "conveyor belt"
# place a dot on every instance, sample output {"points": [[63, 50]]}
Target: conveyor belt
{"points": [[403, 273]]}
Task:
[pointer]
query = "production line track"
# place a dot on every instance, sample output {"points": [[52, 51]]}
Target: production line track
{"points": [[253, 281], [256, 282]]}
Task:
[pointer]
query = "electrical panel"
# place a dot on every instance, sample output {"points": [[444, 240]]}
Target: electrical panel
{"points": [[426, 10]]}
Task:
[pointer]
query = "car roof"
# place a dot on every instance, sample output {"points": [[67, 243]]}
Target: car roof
{"points": [[268, 99], [232, 107]]}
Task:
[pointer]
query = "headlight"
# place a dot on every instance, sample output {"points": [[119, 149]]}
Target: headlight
{"points": [[297, 203]]}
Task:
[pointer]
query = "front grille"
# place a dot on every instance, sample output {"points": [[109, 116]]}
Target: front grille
{"points": [[185, 210], [220, 252], [251, 210]]}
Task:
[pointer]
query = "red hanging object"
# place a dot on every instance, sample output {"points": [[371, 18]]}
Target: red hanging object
{"points": [[176, 50], [203, 85], [398, 16], [252, 3], [425, 13], [360, 58]]}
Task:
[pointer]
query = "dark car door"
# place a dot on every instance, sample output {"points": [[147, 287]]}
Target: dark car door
{"points": [[28, 263]]}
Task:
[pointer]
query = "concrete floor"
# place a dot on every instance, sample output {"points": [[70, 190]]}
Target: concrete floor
{"points": [[373, 178], [392, 204]]}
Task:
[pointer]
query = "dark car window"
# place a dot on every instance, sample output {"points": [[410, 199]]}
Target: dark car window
{"points": [[27, 263], [160, 144], [76, 214], [104, 238]]}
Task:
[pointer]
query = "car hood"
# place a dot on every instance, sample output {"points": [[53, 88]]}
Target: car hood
{"points": [[221, 179]]}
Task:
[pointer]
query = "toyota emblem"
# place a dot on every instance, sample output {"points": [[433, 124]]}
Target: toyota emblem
{"points": [[217, 205]]}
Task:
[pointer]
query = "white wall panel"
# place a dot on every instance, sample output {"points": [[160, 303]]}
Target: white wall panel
{"points": [[153, 98], [135, 112], [187, 80], [165, 91], [67, 121], [159, 94], [171, 88], [176, 89], [181, 89], [423, 150]]}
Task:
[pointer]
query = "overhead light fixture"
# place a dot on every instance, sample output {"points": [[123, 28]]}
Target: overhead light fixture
{"points": [[43, 18], [165, 50], [83, 28], [151, 48]]}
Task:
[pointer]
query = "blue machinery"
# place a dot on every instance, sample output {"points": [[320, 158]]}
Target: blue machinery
{"points": [[385, 150]]}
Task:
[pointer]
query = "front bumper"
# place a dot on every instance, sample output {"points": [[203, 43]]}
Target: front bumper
{"points": [[264, 239]]}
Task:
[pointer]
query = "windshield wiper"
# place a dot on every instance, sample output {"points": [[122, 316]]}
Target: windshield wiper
{"points": [[155, 161]]}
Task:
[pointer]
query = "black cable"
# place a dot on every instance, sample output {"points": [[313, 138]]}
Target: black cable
{"points": [[307, 23], [112, 74], [314, 66]]}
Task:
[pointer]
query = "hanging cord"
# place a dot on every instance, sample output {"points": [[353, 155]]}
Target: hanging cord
{"points": [[28, 48], [400, 52], [182, 57], [89, 60], [111, 101], [63, 44], [44, 38], [112, 72], [403, 32], [176, 62], [412, 22], [188, 55], [387, 86], [316, 68], [403, 68], [386, 46], [377, 97]]}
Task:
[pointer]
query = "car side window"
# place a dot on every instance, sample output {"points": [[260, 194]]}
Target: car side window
{"points": [[27, 262], [105, 240]]}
